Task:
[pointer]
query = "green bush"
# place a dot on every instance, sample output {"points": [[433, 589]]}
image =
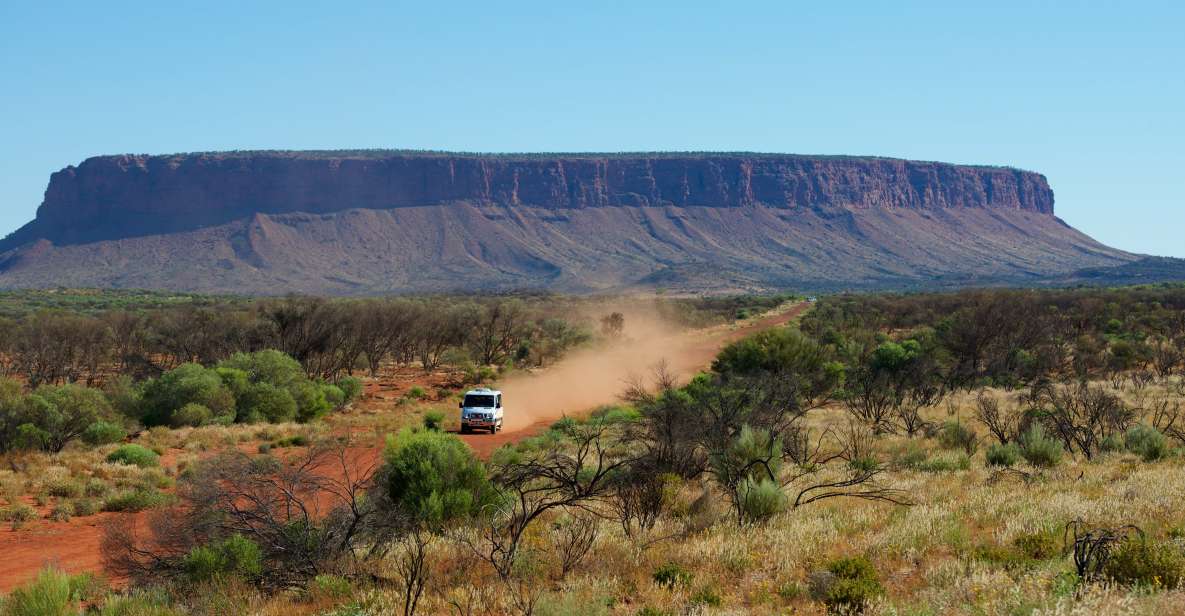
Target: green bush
{"points": [[52, 593], [946, 464], [135, 500], [1039, 449], [1147, 442], [268, 366], [1002, 455], [330, 586], [1113, 443], [1041, 545], [311, 402], [87, 506], [416, 393], [185, 384], [152, 602], [17, 514], [64, 488], [103, 433], [266, 402], [671, 575], [333, 395], [192, 414], [1143, 563], [236, 556], [351, 388], [912, 456], [706, 596], [135, 455], [616, 414], [856, 584], [434, 421], [760, 500], [50, 417], [954, 435], [434, 477]]}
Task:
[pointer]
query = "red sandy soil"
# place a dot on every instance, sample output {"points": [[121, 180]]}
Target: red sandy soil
{"points": [[74, 546]]}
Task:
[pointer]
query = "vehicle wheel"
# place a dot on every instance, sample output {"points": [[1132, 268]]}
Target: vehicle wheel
{"points": [[464, 429]]}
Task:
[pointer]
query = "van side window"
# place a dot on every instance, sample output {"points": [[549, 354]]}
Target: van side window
{"points": [[499, 404]]}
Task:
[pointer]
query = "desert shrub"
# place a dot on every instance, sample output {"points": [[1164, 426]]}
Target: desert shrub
{"points": [[311, 402], [62, 511], [706, 596], [911, 456], [433, 420], [616, 414], [50, 417], [185, 384], [671, 575], [103, 433], [86, 506], [1147, 442], [17, 514], [1040, 545], [135, 500], [761, 499], [1040, 450], [268, 366], [855, 584], [1143, 563], [296, 440], [1112, 444], [330, 586], [52, 593], [955, 435], [64, 488], [236, 556], [192, 414], [95, 487], [945, 464], [139, 602], [416, 392], [333, 395], [434, 477], [350, 387], [124, 395], [865, 463], [1003, 455], [266, 402], [135, 455]]}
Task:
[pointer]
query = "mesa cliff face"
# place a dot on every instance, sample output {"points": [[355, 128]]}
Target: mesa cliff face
{"points": [[112, 196], [391, 221]]}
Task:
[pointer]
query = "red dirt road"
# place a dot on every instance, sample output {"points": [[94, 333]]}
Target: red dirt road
{"points": [[573, 386]]}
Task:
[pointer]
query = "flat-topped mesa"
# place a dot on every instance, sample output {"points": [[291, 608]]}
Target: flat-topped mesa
{"points": [[113, 196]]}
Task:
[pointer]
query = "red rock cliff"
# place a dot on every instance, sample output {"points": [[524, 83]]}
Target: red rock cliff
{"points": [[112, 196]]}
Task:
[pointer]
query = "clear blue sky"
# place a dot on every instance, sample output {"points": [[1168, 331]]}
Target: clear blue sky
{"points": [[1091, 94]]}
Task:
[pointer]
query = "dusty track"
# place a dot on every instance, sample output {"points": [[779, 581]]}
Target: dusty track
{"points": [[577, 384]]}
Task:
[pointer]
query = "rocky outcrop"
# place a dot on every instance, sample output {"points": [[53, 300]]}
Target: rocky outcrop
{"points": [[108, 197], [406, 222]]}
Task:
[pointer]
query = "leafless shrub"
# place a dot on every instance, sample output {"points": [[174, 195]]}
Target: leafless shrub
{"points": [[308, 516], [1003, 423], [1092, 546], [1081, 415], [572, 539]]}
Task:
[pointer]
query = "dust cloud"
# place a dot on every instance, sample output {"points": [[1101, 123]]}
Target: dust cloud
{"points": [[597, 376]]}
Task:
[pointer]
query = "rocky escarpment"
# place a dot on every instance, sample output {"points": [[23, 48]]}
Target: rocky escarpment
{"points": [[395, 221], [117, 196]]}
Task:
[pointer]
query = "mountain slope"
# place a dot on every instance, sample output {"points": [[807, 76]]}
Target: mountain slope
{"points": [[383, 221]]}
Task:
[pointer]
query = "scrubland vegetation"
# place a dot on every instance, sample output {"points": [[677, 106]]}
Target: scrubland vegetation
{"points": [[985, 452]]}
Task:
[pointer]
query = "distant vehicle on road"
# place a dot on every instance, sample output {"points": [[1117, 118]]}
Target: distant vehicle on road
{"points": [[481, 409]]}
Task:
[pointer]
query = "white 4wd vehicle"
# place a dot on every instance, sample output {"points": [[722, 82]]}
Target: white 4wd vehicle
{"points": [[481, 408]]}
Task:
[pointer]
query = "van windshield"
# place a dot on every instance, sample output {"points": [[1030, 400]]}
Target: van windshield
{"points": [[479, 400]]}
